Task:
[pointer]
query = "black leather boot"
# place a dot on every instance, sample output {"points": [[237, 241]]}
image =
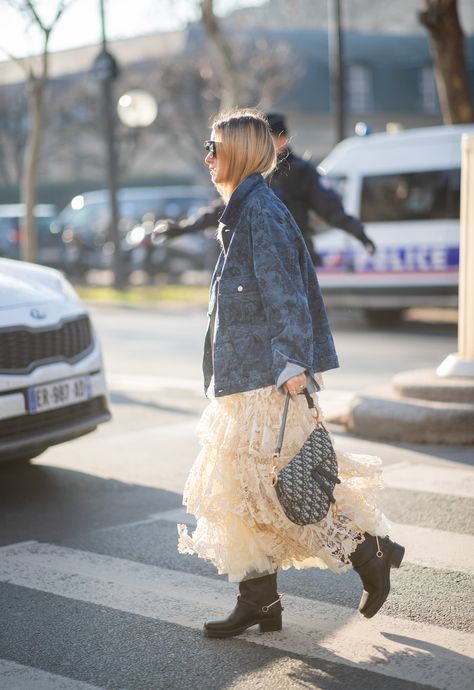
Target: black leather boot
{"points": [[257, 604], [372, 561]]}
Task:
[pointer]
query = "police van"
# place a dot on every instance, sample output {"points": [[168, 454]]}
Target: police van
{"points": [[405, 188]]}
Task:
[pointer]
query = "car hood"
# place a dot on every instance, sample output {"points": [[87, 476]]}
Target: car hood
{"points": [[22, 283]]}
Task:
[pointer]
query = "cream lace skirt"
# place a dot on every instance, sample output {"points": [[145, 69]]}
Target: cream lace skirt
{"points": [[241, 527]]}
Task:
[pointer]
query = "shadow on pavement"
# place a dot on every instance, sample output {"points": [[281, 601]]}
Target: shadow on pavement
{"points": [[44, 503], [124, 399]]}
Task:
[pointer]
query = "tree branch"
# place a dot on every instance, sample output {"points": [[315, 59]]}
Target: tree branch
{"points": [[21, 62], [32, 9], [230, 75]]}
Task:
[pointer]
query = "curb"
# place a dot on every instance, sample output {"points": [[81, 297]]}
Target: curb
{"points": [[382, 415], [425, 384]]}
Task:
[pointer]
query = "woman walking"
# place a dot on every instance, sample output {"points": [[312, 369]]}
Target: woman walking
{"points": [[268, 334]]}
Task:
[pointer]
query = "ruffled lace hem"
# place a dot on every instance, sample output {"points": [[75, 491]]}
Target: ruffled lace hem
{"points": [[241, 527]]}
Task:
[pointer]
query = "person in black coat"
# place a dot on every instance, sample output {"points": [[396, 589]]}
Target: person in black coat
{"points": [[298, 185]]}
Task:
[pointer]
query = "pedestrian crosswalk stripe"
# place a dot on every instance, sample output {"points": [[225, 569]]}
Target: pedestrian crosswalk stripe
{"points": [[446, 479], [147, 384], [430, 548], [15, 676], [395, 647], [433, 548]]}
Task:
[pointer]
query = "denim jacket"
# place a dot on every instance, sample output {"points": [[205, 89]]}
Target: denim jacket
{"points": [[265, 307]]}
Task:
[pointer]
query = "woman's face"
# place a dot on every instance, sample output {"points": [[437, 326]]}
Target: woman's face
{"points": [[216, 164]]}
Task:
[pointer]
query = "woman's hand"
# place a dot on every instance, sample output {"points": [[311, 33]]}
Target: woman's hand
{"points": [[295, 385]]}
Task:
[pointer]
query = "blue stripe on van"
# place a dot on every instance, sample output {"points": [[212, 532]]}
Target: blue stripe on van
{"points": [[421, 259]]}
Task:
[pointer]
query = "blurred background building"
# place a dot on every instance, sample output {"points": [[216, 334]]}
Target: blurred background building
{"points": [[281, 48]]}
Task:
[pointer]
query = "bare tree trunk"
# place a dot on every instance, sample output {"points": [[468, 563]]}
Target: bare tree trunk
{"points": [[231, 86], [35, 85], [30, 169], [440, 17]]}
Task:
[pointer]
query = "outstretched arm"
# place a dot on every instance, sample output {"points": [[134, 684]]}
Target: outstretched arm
{"points": [[208, 217], [327, 204]]}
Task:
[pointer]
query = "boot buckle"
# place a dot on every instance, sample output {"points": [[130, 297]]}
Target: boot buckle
{"points": [[268, 606]]}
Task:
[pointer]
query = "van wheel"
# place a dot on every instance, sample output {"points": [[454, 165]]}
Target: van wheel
{"points": [[383, 317]]}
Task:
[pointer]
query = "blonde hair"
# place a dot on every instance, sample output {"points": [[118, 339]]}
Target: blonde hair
{"points": [[246, 145]]}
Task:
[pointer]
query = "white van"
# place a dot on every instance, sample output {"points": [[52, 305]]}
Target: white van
{"points": [[405, 188]]}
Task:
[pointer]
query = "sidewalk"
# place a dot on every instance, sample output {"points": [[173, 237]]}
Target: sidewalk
{"points": [[335, 405]]}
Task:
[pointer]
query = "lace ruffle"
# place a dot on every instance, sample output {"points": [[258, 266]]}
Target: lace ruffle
{"points": [[241, 527]]}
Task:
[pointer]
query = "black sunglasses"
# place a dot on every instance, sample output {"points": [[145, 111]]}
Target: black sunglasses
{"points": [[211, 148]]}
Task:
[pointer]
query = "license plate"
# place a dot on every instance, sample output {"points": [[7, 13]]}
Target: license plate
{"points": [[59, 394]]}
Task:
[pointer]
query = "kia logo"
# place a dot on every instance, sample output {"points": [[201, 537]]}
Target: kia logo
{"points": [[38, 314]]}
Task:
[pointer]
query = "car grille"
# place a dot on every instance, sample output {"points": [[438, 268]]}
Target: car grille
{"points": [[21, 427], [23, 349]]}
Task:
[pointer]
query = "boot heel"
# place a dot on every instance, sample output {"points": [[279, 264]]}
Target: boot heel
{"points": [[271, 626], [396, 556]]}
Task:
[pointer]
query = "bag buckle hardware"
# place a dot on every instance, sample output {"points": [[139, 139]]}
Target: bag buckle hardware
{"points": [[274, 473]]}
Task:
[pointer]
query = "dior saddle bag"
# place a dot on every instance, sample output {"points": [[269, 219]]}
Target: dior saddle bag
{"points": [[306, 484]]}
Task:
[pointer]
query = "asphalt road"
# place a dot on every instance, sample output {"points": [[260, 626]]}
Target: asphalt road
{"points": [[94, 595]]}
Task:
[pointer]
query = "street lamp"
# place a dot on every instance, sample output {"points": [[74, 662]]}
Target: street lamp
{"points": [[105, 70], [336, 68], [137, 108]]}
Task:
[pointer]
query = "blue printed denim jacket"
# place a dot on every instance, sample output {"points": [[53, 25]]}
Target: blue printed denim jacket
{"points": [[265, 298]]}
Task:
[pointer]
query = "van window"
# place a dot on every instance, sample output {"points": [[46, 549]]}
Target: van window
{"points": [[411, 196]]}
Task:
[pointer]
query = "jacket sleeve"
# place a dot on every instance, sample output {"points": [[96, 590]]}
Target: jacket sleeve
{"points": [[276, 247], [326, 203], [291, 370]]}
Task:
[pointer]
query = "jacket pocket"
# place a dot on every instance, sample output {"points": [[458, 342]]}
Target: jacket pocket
{"points": [[240, 302], [238, 285]]}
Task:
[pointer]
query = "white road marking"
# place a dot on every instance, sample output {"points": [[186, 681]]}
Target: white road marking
{"points": [[334, 402], [146, 384], [15, 676], [394, 647], [178, 515], [433, 548], [446, 480], [430, 548]]}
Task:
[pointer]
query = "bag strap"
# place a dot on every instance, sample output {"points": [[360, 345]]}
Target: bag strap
{"points": [[311, 406]]}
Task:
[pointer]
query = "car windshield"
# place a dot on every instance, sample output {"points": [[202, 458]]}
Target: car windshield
{"points": [[94, 215], [81, 216]]}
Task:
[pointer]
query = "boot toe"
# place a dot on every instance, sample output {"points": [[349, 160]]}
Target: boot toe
{"points": [[218, 629], [370, 604]]}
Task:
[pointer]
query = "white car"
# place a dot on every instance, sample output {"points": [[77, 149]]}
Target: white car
{"points": [[52, 384]]}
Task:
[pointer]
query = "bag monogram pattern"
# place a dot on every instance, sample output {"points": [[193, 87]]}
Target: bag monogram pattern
{"points": [[305, 486]]}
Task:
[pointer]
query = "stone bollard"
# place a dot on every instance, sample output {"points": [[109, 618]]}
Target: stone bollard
{"points": [[462, 362]]}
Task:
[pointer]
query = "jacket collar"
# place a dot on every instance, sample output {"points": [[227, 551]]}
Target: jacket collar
{"points": [[239, 195]]}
